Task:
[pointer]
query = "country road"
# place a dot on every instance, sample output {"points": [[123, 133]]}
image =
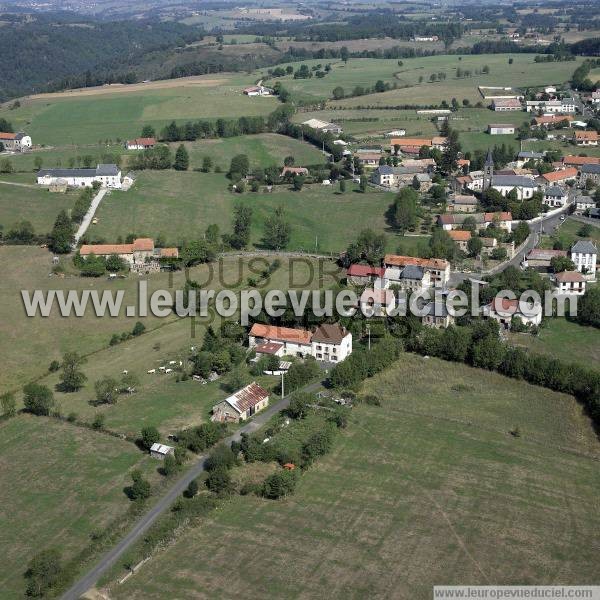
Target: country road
{"points": [[164, 502], [89, 215]]}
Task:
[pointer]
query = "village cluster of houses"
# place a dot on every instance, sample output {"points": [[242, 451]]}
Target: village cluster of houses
{"points": [[141, 255]]}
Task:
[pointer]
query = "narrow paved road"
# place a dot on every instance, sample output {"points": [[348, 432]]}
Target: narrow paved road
{"points": [[178, 487], [89, 215]]}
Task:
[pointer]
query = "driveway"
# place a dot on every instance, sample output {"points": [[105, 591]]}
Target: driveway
{"points": [[89, 215]]}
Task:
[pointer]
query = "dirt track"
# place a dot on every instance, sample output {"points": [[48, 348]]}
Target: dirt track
{"points": [[118, 88]]}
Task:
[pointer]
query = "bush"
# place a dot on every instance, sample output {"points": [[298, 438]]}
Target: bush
{"points": [[219, 482], [140, 488], [222, 457], [38, 399], [149, 437], [280, 484]]}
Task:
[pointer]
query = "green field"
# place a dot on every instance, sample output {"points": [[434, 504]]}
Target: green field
{"points": [[40, 207], [523, 72], [58, 485], [428, 488], [181, 206], [83, 118], [263, 150], [568, 234], [564, 340]]}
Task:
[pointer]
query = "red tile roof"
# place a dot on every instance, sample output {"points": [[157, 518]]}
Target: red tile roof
{"points": [[284, 334], [581, 160], [501, 216], [143, 245], [104, 249], [169, 253], [504, 305], [418, 142], [365, 271], [460, 236], [427, 263], [586, 135], [269, 348], [568, 173], [569, 277], [552, 119], [147, 141], [7, 136]]}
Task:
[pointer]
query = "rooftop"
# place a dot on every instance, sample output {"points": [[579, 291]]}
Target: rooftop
{"points": [[584, 247], [247, 397], [329, 333], [284, 334]]}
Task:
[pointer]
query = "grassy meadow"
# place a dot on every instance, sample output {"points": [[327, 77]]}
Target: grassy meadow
{"points": [[40, 207], [366, 71], [75, 118], [564, 340], [569, 233], [58, 485], [428, 488], [181, 206]]}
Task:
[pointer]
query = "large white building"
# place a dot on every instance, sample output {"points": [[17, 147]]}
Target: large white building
{"points": [[584, 255], [523, 185], [108, 176]]}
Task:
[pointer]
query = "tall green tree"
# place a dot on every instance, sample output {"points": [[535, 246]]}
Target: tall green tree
{"points": [[277, 230], [242, 220], [72, 377], [182, 159], [405, 209], [62, 235]]}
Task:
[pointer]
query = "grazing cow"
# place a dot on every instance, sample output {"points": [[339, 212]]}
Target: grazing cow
{"points": [[168, 370], [125, 372], [172, 362], [151, 371], [161, 368]]}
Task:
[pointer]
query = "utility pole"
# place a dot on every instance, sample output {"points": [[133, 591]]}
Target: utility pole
{"points": [[369, 334], [282, 384]]}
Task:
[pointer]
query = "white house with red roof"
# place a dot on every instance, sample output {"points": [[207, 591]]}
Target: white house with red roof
{"points": [[15, 142], [363, 274], [139, 252], [241, 405], [142, 143], [294, 342], [504, 311], [570, 282]]}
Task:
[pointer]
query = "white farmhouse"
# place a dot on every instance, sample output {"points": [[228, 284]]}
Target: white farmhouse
{"points": [[16, 142], [108, 176], [504, 311], [331, 343], [584, 255], [570, 282], [555, 196]]}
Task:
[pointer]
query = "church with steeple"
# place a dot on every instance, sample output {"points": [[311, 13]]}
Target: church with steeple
{"points": [[488, 171]]}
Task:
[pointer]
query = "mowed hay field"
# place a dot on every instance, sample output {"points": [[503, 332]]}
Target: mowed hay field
{"points": [[429, 488], [58, 485], [77, 118], [523, 72], [36, 205], [181, 205]]}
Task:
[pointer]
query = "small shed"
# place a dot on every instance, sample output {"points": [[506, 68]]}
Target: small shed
{"points": [[161, 450], [58, 186]]}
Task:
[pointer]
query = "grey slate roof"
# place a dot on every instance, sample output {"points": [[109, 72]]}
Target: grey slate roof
{"points": [[555, 190], [529, 154], [67, 172], [100, 170], [436, 309], [514, 181], [584, 247], [107, 170], [412, 272], [592, 169]]}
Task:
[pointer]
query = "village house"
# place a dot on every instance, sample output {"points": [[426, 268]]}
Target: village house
{"points": [[506, 104], [258, 90], [363, 274], [540, 258], [108, 176], [583, 204], [524, 186], [579, 161], [567, 105], [394, 177], [462, 203], [293, 171], [570, 282], [460, 238], [141, 143], [584, 255], [585, 138], [437, 315], [414, 145], [557, 177], [555, 196], [448, 222], [161, 451], [410, 278], [501, 129], [16, 142], [527, 155], [331, 343], [295, 342], [377, 301], [368, 159], [462, 164], [323, 126], [139, 255], [551, 120], [241, 405], [589, 172], [438, 268], [504, 311]]}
